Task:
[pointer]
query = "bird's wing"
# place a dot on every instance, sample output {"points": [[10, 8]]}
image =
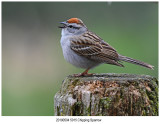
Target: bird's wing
{"points": [[93, 47]]}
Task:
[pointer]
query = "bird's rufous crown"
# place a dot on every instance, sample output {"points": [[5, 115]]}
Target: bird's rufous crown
{"points": [[74, 20]]}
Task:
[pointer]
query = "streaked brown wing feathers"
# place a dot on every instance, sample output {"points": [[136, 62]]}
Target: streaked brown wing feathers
{"points": [[95, 48], [85, 48]]}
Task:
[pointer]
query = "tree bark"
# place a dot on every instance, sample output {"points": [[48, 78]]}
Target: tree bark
{"points": [[108, 95]]}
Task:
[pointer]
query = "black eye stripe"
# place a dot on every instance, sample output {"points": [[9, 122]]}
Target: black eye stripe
{"points": [[70, 26]]}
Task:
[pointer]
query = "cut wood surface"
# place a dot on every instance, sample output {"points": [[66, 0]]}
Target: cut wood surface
{"points": [[107, 95]]}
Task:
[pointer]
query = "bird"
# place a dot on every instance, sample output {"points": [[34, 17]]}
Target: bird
{"points": [[84, 49]]}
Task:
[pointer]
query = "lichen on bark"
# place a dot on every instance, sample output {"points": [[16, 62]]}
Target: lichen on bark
{"points": [[107, 95]]}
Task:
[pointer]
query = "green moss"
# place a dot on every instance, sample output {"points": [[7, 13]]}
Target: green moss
{"points": [[75, 81], [63, 108], [143, 113], [156, 91], [89, 111], [105, 102], [77, 109], [153, 97], [58, 111]]}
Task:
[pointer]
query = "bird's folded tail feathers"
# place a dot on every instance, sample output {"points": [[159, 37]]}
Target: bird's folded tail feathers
{"points": [[137, 62]]}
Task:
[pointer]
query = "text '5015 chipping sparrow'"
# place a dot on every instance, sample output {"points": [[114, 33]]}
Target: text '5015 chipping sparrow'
{"points": [[83, 48]]}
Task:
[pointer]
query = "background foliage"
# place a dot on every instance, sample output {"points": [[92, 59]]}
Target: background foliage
{"points": [[33, 66]]}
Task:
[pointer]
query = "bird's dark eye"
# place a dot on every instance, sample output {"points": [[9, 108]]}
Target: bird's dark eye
{"points": [[70, 26]]}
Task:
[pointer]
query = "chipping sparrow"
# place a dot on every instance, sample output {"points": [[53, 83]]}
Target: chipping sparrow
{"points": [[83, 48]]}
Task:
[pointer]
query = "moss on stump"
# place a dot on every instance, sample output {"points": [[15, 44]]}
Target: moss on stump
{"points": [[108, 95]]}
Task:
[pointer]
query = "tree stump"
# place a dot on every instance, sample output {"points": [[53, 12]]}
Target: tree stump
{"points": [[107, 95]]}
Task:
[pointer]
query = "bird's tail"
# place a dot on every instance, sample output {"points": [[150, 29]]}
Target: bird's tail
{"points": [[133, 61]]}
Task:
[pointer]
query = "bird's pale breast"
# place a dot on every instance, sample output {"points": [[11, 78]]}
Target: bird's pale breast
{"points": [[73, 58]]}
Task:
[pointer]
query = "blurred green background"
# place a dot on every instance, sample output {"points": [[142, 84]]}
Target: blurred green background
{"points": [[33, 66]]}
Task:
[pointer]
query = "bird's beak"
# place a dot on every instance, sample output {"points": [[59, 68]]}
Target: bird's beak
{"points": [[64, 25]]}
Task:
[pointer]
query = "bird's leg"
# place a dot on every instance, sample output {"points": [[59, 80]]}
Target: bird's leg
{"points": [[85, 73]]}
